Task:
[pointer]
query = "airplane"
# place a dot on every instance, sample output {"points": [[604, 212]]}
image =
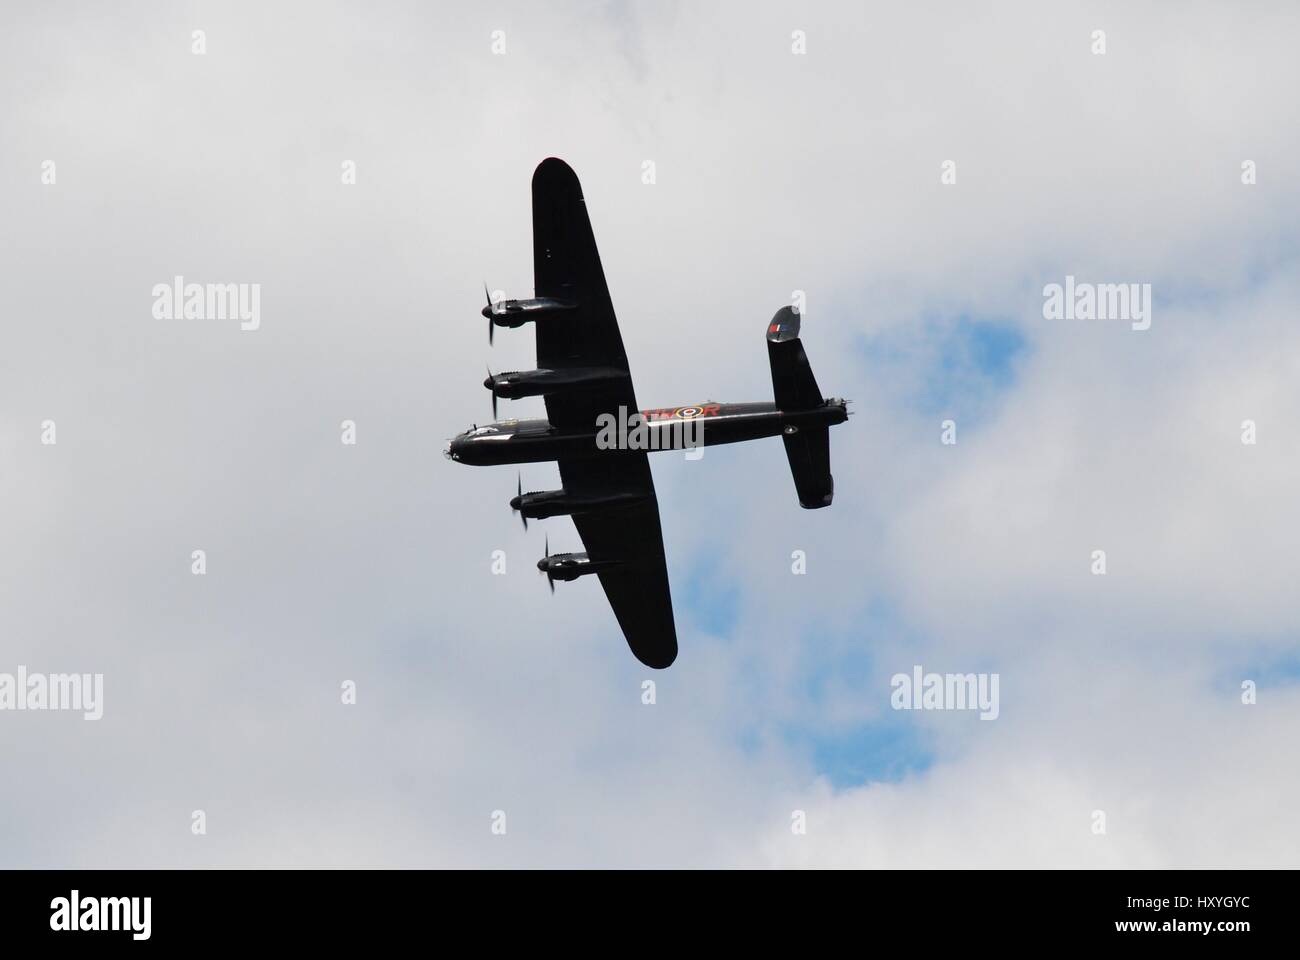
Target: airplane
{"points": [[582, 373]]}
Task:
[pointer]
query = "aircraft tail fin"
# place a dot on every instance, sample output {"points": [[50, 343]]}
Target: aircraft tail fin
{"points": [[795, 388]]}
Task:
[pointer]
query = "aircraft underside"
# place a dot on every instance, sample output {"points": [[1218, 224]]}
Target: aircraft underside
{"points": [[598, 436]]}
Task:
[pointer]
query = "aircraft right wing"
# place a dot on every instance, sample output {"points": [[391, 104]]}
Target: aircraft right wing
{"points": [[638, 588]]}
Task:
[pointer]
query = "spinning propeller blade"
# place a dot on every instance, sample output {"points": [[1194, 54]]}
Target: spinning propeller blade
{"points": [[519, 489]]}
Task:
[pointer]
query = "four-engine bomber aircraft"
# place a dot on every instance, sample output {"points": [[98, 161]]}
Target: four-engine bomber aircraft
{"points": [[582, 373]]}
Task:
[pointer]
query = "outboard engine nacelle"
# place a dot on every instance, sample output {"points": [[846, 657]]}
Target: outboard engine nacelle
{"points": [[571, 566], [515, 313]]}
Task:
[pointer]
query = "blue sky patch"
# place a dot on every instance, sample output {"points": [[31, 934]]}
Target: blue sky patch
{"points": [[954, 365], [710, 596]]}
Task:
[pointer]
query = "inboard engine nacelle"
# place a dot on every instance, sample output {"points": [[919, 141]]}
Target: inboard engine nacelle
{"points": [[540, 504], [536, 383]]}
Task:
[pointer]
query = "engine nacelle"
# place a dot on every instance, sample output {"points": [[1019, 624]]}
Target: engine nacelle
{"points": [[536, 383], [540, 504], [571, 566], [515, 313]]}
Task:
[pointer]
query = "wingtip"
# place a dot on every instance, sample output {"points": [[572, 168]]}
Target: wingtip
{"points": [[657, 649], [660, 660], [553, 166]]}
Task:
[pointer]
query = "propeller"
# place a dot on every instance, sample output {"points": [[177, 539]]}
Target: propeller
{"points": [[488, 383], [549, 579], [520, 490], [491, 310]]}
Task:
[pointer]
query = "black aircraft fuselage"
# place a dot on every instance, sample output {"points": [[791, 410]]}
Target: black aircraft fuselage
{"points": [[667, 428]]}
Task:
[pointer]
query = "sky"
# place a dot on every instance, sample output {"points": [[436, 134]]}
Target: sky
{"points": [[497, 725]]}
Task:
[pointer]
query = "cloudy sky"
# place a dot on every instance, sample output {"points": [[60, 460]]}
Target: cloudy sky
{"points": [[774, 172]]}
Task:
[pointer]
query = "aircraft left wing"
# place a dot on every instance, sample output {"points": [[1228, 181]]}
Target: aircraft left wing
{"points": [[566, 266], [638, 588]]}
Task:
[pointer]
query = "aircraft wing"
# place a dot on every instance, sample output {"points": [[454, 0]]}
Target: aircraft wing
{"points": [[638, 588], [566, 266]]}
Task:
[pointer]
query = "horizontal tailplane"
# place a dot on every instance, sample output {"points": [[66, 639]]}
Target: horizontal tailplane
{"points": [[795, 388], [809, 453], [793, 383]]}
